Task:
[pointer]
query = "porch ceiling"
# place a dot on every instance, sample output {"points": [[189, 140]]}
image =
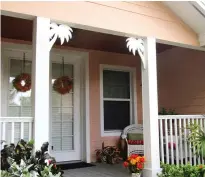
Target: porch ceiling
{"points": [[21, 29]]}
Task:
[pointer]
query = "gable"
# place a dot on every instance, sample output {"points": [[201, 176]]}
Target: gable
{"points": [[119, 18]]}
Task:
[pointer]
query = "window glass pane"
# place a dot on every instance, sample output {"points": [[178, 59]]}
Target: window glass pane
{"points": [[57, 70], [116, 115], [19, 102], [62, 112], [116, 84]]}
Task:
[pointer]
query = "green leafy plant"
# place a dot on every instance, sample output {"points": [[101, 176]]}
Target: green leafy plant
{"points": [[4, 173], [22, 150], [20, 159], [108, 154], [164, 111], [182, 170], [197, 138], [47, 172], [21, 170]]}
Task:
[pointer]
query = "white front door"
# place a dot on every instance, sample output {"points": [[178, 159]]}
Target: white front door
{"points": [[65, 125]]}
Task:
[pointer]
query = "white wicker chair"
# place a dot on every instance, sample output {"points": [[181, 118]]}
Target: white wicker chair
{"points": [[133, 148]]}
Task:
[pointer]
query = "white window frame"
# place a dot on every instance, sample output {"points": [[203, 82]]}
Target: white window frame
{"points": [[133, 97]]}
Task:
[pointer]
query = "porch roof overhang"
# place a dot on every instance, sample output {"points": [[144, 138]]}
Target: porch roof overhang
{"points": [[193, 14], [17, 29], [137, 19]]}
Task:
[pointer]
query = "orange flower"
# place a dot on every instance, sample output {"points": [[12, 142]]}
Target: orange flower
{"points": [[139, 166], [125, 164], [200, 166], [133, 161], [138, 159]]}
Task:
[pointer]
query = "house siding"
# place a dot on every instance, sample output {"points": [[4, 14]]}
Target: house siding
{"points": [[181, 84], [121, 18], [95, 59], [181, 80]]}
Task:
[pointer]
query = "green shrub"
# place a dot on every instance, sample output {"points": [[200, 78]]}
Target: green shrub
{"points": [[20, 161], [22, 151], [182, 170], [197, 139], [164, 111]]}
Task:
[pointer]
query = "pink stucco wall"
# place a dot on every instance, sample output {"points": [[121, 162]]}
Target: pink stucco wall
{"points": [[124, 18], [181, 85], [95, 59], [181, 80]]}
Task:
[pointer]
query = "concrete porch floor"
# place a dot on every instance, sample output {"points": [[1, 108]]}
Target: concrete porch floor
{"points": [[100, 170]]}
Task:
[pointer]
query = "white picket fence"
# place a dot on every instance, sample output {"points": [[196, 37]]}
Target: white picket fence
{"points": [[174, 147], [15, 128]]}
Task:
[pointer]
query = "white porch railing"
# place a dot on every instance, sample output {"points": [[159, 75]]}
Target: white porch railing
{"points": [[15, 128], [174, 147]]}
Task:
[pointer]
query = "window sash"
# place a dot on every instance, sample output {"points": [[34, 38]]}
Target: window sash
{"points": [[126, 84], [123, 115], [117, 99]]}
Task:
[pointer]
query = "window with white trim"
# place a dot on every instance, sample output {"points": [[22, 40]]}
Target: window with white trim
{"points": [[117, 99]]}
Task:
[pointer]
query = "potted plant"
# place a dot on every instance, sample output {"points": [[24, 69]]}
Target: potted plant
{"points": [[135, 164], [108, 154]]}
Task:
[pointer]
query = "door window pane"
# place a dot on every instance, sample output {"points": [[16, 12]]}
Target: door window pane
{"points": [[19, 102], [62, 112]]}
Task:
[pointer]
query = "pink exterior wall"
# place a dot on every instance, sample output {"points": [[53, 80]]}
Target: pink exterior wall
{"points": [[181, 80], [95, 59], [123, 18], [181, 84]]}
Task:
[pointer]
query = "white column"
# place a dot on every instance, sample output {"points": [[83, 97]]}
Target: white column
{"points": [[150, 109], [40, 80]]}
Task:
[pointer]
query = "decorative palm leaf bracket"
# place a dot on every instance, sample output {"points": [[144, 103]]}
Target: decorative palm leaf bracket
{"points": [[137, 45], [59, 31]]}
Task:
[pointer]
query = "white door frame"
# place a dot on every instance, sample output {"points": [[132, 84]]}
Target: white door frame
{"points": [[16, 50]]}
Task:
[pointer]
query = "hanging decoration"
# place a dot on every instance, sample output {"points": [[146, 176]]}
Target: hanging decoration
{"points": [[63, 32], [137, 45], [22, 82], [63, 84]]}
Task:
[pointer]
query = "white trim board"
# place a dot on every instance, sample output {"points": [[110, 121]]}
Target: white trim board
{"points": [[133, 97], [87, 110], [186, 46]]}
